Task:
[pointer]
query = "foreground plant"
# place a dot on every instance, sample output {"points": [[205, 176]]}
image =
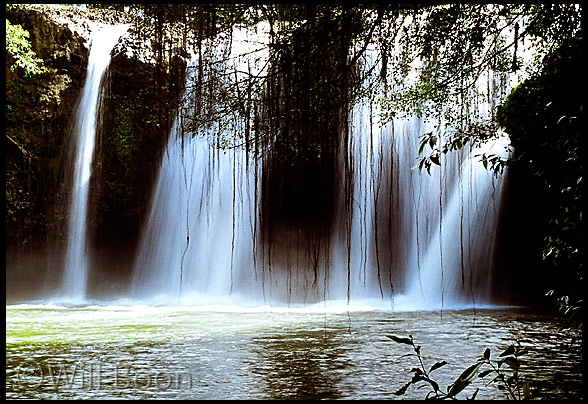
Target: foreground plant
{"points": [[506, 378]]}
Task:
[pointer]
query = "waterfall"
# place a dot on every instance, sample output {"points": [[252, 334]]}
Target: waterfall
{"points": [[190, 246], [197, 246], [421, 240], [83, 138], [413, 240]]}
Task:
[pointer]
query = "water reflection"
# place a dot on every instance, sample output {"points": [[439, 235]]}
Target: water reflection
{"points": [[302, 364], [183, 354]]}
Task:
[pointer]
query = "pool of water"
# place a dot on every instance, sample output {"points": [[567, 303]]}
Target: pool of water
{"points": [[143, 352]]}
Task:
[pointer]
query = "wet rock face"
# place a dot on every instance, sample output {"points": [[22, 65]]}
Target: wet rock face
{"points": [[138, 110], [60, 37], [65, 56], [39, 110]]}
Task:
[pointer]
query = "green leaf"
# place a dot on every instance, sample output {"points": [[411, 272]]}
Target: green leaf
{"points": [[402, 390], [422, 378], [19, 46], [509, 351], [400, 340], [468, 374], [423, 143], [512, 362], [487, 354], [485, 373], [435, 159], [463, 380], [437, 365], [457, 387]]}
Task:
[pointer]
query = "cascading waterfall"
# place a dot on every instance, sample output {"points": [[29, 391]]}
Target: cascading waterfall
{"points": [[76, 266], [418, 240], [199, 237], [448, 224], [198, 243], [414, 240]]}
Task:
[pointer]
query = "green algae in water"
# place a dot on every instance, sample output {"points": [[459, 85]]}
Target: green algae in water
{"points": [[188, 353]]}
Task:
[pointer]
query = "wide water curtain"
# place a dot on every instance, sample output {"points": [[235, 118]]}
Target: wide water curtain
{"points": [[301, 196], [76, 268], [198, 243]]}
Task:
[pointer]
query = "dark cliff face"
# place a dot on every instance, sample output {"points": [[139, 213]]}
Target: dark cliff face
{"points": [[39, 112], [139, 104], [139, 100]]}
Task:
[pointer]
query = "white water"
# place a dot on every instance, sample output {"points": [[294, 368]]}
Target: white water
{"points": [[184, 245], [418, 241], [434, 233], [76, 260]]}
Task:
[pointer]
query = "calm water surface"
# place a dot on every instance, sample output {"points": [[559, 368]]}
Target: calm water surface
{"points": [[146, 352]]}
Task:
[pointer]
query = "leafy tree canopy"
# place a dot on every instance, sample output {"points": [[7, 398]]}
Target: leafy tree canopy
{"points": [[429, 58], [19, 48]]}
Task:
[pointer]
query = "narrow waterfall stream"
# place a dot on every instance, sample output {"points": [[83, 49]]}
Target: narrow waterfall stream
{"points": [[76, 260]]}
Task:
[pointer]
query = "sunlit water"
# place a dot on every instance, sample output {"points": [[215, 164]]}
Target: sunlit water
{"points": [[76, 260], [226, 352]]}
